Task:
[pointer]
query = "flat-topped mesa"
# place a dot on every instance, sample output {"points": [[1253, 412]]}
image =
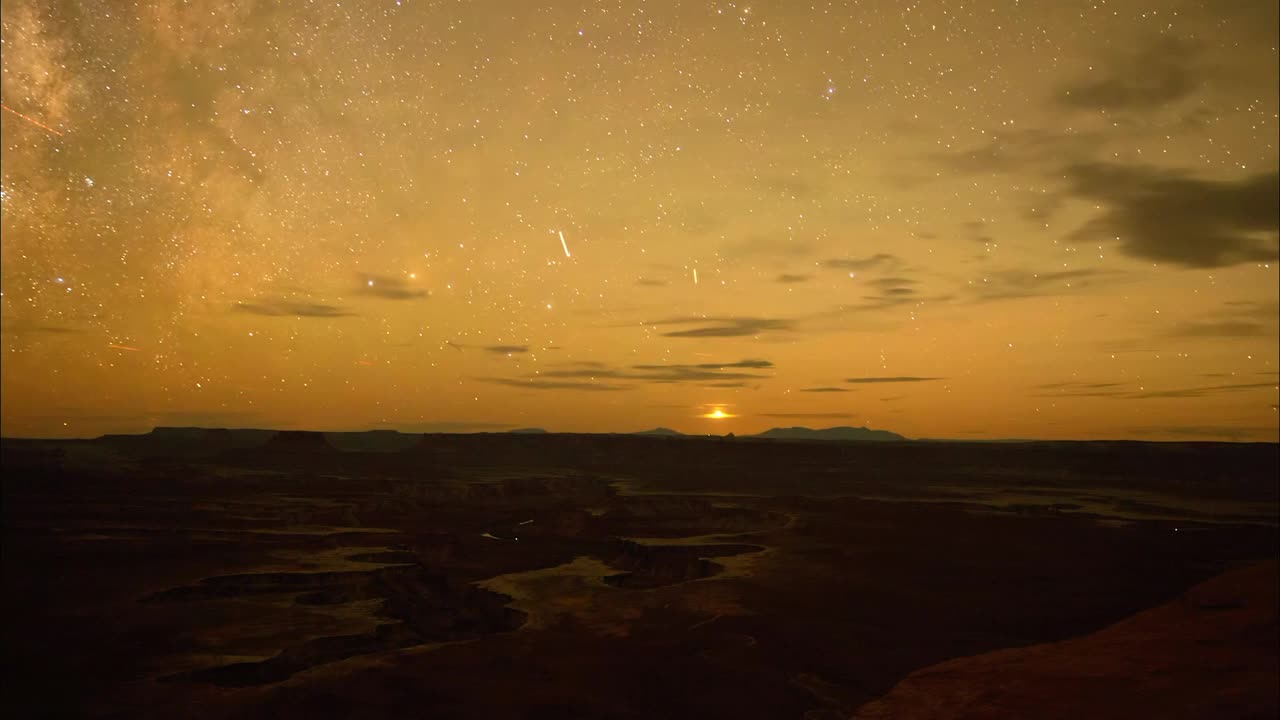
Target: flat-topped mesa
{"points": [[371, 441], [188, 442], [295, 442]]}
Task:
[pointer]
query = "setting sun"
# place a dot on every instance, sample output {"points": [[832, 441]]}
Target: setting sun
{"points": [[717, 414]]}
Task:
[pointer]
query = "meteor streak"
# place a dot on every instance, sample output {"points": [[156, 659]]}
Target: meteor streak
{"points": [[563, 244], [695, 276], [31, 120], [124, 347]]}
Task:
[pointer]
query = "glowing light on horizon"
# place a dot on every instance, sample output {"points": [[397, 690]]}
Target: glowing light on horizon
{"points": [[717, 414]]}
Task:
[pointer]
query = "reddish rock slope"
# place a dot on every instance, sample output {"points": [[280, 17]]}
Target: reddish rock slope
{"points": [[1212, 653]]}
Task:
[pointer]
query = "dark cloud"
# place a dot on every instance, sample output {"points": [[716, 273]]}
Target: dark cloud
{"points": [[388, 287], [1224, 328], [652, 282], [285, 308], [507, 349], [584, 372], [701, 372], [826, 390], [556, 385], [1014, 284], [895, 379], [873, 261], [892, 398], [1166, 216], [1161, 71], [788, 279], [889, 293], [723, 326]]}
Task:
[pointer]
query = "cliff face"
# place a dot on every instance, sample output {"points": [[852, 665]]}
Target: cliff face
{"points": [[1210, 653]]}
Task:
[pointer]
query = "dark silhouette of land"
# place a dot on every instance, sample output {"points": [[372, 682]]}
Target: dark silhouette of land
{"points": [[252, 573]]}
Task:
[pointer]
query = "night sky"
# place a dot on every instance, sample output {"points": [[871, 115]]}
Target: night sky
{"points": [[971, 220]]}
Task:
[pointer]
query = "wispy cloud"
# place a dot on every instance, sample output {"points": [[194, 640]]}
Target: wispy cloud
{"points": [[1157, 72], [867, 263], [1119, 391], [724, 326], [1014, 284], [1076, 385], [507, 349], [670, 373], [789, 279], [285, 308], [892, 379], [1199, 391], [1224, 328], [531, 384], [825, 390]]}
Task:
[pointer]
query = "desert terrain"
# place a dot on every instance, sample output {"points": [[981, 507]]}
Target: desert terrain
{"points": [[229, 574]]}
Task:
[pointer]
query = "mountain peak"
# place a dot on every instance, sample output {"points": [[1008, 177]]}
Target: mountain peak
{"points": [[659, 431]]}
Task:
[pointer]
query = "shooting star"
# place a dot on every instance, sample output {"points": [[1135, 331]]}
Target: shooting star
{"points": [[563, 244], [31, 120], [124, 347], [695, 276]]}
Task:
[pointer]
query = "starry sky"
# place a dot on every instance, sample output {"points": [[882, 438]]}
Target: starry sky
{"points": [[1035, 219]]}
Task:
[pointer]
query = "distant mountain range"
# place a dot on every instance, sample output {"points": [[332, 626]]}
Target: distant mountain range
{"points": [[833, 433], [659, 431]]}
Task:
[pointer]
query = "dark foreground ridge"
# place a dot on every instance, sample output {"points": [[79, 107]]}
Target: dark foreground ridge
{"points": [[250, 573]]}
